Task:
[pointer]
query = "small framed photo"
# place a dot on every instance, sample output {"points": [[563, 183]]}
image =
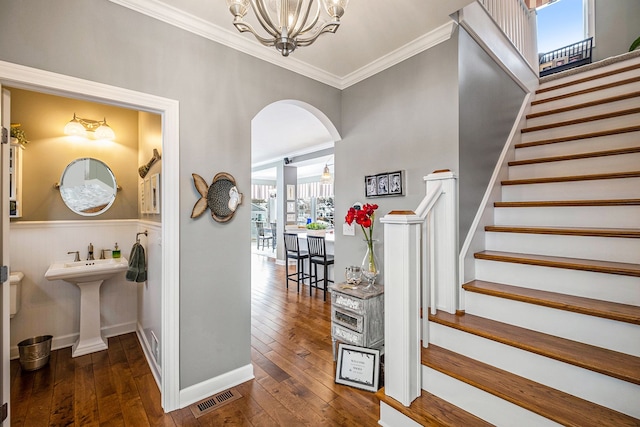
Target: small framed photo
{"points": [[291, 217], [358, 367], [384, 184], [395, 183], [371, 186], [291, 207], [291, 192], [147, 195], [155, 193]]}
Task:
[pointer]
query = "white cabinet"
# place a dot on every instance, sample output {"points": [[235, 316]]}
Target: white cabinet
{"points": [[15, 179]]}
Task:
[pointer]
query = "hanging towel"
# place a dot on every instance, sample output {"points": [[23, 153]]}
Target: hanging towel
{"points": [[137, 271]]}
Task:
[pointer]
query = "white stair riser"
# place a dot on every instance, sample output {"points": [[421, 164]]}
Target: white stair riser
{"points": [[588, 84], [586, 145], [587, 97], [600, 189], [614, 249], [582, 128], [588, 385], [597, 331], [584, 112], [480, 403], [570, 216], [593, 73], [389, 417], [588, 284], [592, 165]]}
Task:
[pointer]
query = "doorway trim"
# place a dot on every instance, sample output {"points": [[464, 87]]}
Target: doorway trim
{"points": [[58, 84]]}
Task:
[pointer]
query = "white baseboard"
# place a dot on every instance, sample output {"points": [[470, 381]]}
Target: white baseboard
{"points": [[156, 370], [212, 386], [68, 340]]}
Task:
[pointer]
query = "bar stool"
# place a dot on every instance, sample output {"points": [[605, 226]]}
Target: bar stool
{"points": [[262, 236], [292, 250], [318, 256]]}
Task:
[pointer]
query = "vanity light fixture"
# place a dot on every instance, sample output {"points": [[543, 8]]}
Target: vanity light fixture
{"points": [[289, 23], [80, 127]]}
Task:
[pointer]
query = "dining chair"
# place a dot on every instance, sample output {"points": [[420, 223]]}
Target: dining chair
{"points": [[262, 237], [274, 236], [318, 256], [293, 251]]}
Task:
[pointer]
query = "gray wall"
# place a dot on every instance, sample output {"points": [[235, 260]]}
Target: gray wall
{"points": [[404, 118], [219, 91], [617, 26], [489, 104]]}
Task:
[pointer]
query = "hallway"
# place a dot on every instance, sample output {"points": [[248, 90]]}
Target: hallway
{"points": [[293, 366]]}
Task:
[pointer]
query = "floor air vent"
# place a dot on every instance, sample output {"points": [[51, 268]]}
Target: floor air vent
{"points": [[214, 402]]}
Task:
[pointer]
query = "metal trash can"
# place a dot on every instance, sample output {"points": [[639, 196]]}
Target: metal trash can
{"points": [[35, 352]]}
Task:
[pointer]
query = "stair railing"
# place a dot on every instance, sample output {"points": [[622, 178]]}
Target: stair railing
{"points": [[420, 269], [518, 23]]}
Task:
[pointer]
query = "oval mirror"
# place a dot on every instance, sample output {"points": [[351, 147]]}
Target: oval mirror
{"points": [[88, 187]]}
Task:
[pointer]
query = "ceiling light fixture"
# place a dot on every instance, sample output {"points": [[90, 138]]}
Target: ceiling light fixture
{"points": [[326, 174], [98, 128], [295, 24]]}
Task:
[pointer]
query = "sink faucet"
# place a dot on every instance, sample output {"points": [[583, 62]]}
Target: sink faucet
{"points": [[102, 253], [77, 258], [90, 256]]}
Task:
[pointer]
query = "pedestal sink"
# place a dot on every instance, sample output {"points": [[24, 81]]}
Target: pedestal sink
{"points": [[88, 275]]}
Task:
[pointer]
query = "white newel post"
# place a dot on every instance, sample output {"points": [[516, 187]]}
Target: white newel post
{"points": [[402, 305], [445, 231]]}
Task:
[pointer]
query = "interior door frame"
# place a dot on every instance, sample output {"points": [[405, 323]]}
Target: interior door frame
{"points": [[36, 80], [4, 258]]}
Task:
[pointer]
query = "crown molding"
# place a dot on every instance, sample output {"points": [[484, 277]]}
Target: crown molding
{"points": [[422, 43], [193, 24]]}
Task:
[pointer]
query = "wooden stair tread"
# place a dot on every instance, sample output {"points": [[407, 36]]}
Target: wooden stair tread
{"points": [[587, 90], [571, 178], [568, 203], [564, 231], [589, 78], [592, 307], [614, 364], [609, 267], [584, 105], [430, 410], [587, 119], [545, 401], [589, 155], [608, 132]]}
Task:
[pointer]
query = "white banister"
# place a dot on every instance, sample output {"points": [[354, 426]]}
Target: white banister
{"points": [[418, 260], [518, 23]]}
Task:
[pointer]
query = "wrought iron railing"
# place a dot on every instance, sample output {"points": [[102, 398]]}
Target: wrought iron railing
{"points": [[571, 56]]}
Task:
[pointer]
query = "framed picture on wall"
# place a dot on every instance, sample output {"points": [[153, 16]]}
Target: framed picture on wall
{"points": [[384, 184], [291, 192], [147, 195], [155, 193], [291, 207]]}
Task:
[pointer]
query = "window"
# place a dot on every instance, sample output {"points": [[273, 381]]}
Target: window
{"points": [[564, 22]]}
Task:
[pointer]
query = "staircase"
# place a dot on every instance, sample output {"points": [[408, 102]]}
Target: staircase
{"points": [[550, 334]]}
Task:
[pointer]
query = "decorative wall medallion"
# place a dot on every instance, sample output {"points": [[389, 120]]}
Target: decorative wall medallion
{"points": [[222, 197]]}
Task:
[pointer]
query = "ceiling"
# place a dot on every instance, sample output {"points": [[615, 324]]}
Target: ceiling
{"points": [[374, 35]]}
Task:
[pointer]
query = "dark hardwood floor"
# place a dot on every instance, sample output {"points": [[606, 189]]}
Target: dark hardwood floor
{"points": [[293, 365]]}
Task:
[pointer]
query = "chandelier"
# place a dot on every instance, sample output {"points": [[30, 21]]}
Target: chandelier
{"points": [[289, 23]]}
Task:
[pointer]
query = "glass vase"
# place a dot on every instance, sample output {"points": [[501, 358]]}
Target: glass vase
{"points": [[370, 267]]}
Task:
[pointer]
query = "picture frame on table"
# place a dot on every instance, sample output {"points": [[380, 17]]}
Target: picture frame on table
{"points": [[358, 367]]}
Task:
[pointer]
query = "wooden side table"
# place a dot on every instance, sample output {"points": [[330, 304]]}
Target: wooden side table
{"points": [[357, 317]]}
